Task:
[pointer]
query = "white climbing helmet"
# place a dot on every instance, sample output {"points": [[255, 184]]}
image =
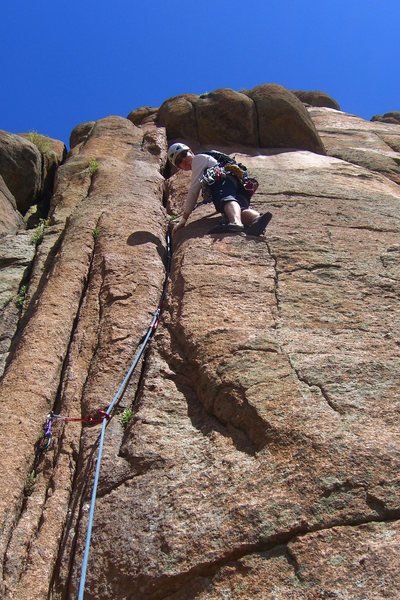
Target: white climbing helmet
{"points": [[175, 150]]}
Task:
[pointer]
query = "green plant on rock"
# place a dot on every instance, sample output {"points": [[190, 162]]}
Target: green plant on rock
{"points": [[93, 165], [41, 142], [38, 232], [20, 299], [30, 483], [126, 417], [95, 232]]}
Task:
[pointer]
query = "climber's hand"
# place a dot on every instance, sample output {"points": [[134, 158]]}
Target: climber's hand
{"points": [[181, 223]]}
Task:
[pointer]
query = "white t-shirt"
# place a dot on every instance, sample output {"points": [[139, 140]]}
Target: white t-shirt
{"points": [[199, 163]]}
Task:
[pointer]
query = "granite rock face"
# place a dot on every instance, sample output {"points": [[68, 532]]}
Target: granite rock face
{"points": [[177, 115], [10, 219], [145, 114], [20, 167], [373, 145], [80, 133], [268, 410], [268, 116], [27, 164], [109, 230], [390, 117], [282, 120], [261, 459], [316, 98], [16, 255]]}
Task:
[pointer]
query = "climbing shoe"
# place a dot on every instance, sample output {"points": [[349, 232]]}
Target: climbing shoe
{"points": [[259, 225], [227, 228]]}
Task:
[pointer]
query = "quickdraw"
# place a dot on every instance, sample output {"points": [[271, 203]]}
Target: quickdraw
{"points": [[95, 419], [44, 442]]}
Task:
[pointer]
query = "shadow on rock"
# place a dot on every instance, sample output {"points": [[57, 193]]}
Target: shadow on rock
{"points": [[145, 237]]}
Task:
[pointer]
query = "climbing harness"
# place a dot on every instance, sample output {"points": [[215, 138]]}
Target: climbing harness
{"points": [[43, 443], [103, 416], [213, 175], [226, 166]]}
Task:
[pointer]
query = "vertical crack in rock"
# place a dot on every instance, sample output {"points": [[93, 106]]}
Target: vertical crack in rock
{"points": [[220, 388], [186, 373], [165, 188], [90, 186], [257, 120], [134, 388], [124, 290], [9, 337], [31, 523], [86, 282], [298, 373], [196, 121]]}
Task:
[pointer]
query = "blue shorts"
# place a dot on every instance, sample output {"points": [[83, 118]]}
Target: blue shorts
{"points": [[228, 190]]}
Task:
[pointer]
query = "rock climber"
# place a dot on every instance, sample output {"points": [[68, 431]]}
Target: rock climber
{"points": [[229, 196]]}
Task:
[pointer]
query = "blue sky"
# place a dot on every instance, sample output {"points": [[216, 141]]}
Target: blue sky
{"points": [[65, 63]]}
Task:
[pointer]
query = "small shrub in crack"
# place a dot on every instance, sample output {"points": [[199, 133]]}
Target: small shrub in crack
{"points": [[20, 299], [30, 483], [126, 417], [38, 234], [93, 165], [96, 232], [41, 142]]}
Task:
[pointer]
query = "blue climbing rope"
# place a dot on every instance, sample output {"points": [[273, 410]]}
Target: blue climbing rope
{"points": [[121, 390]]}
